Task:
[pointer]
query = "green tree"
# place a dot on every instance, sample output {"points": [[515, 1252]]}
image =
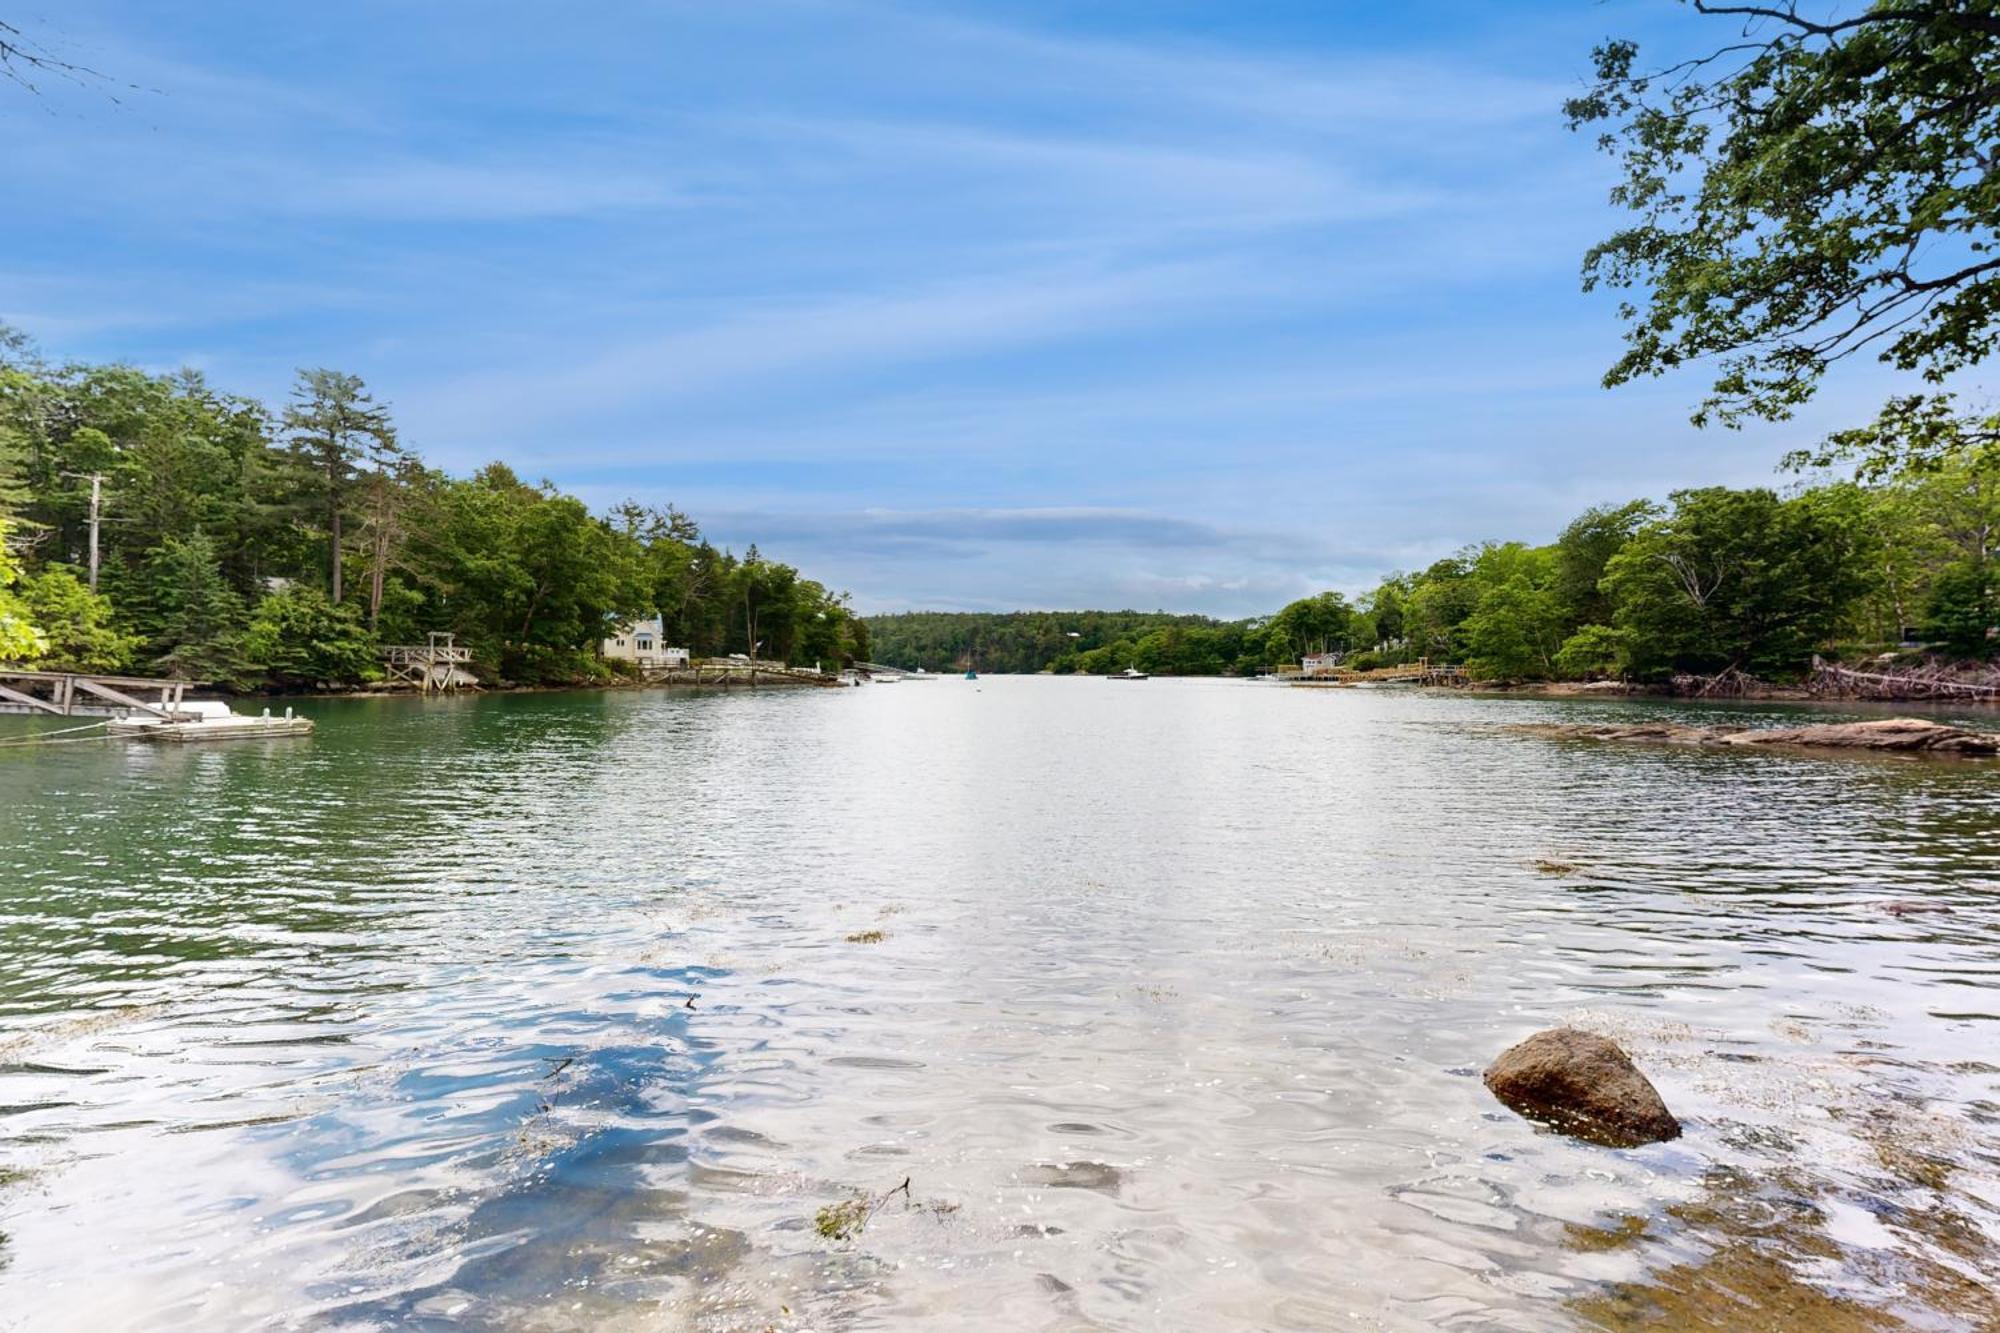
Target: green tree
{"points": [[338, 433], [1435, 611], [1585, 548], [20, 639], [1594, 651], [1819, 186], [78, 624], [1964, 609], [1385, 610], [197, 618], [1519, 620], [1321, 623], [302, 638], [1740, 579], [527, 577]]}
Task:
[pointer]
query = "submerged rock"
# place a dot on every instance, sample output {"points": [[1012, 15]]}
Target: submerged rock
{"points": [[1912, 907], [1584, 1085], [1894, 735]]}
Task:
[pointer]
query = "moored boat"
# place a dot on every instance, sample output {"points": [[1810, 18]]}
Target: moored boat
{"points": [[207, 720]]}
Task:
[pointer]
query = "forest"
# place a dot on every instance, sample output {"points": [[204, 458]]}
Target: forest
{"points": [[1715, 580], [1016, 641], [248, 548]]}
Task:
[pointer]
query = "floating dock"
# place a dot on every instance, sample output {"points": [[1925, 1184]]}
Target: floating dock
{"points": [[208, 722]]}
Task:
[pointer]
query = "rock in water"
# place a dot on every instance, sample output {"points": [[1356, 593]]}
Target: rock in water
{"points": [[1898, 734], [1584, 1085], [1889, 735]]}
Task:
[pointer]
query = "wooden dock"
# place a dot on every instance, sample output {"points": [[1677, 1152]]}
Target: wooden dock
{"points": [[748, 675], [1420, 672], [74, 694], [438, 666]]}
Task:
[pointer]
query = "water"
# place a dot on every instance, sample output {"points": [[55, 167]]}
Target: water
{"points": [[564, 1011]]}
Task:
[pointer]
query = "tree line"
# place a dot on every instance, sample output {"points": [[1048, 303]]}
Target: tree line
{"points": [[1008, 642], [152, 524], [1715, 580]]}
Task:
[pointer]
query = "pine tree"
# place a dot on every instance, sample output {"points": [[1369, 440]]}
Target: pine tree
{"points": [[338, 433], [198, 617]]}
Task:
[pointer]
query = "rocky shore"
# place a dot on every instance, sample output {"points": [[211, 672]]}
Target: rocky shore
{"points": [[1895, 735]]}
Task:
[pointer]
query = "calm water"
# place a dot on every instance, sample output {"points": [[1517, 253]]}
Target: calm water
{"points": [[1174, 1020]]}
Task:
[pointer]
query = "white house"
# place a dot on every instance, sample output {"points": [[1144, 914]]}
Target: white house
{"points": [[644, 642], [1321, 664]]}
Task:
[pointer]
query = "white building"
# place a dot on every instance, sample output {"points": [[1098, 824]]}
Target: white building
{"points": [[644, 642]]}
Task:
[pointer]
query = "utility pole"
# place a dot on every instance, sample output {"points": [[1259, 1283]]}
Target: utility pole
{"points": [[96, 504], [96, 514]]}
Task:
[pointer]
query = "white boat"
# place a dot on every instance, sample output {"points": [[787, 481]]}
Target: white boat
{"points": [[1129, 673], [207, 720]]}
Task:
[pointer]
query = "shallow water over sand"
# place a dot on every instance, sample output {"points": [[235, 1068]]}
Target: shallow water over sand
{"points": [[567, 1011]]}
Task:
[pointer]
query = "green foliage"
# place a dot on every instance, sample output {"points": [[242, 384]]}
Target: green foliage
{"points": [[78, 623], [1586, 547], [20, 639], [301, 639], [1721, 578], [196, 619], [1518, 621], [1324, 623], [1739, 579], [1020, 641], [526, 576], [337, 432], [1821, 186], [1593, 652], [1964, 608], [1435, 611]]}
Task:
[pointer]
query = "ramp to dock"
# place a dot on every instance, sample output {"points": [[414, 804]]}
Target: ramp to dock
{"points": [[74, 694]]}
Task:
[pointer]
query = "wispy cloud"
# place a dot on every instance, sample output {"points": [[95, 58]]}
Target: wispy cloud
{"points": [[954, 307], [735, 353]]}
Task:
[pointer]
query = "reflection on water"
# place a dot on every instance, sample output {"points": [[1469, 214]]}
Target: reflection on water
{"points": [[574, 1011]]}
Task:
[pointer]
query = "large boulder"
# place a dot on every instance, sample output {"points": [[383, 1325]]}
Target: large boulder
{"points": [[1894, 735], [1900, 734], [1584, 1085]]}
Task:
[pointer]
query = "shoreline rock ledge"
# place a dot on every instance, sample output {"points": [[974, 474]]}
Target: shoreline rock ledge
{"points": [[1584, 1085], [1889, 735]]}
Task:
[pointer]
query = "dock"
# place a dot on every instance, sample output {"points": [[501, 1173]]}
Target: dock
{"points": [[215, 722], [437, 666], [74, 694], [750, 675], [1420, 672], [136, 708]]}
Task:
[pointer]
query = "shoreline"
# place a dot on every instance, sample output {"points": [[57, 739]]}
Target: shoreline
{"points": [[1550, 689]]}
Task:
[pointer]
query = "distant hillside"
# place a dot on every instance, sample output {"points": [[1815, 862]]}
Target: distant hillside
{"points": [[1014, 641]]}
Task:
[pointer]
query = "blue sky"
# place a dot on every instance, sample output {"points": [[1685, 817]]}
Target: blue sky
{"points": [[1201, 306]]}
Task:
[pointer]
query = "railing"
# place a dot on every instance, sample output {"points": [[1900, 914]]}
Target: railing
{"points": [[1420, 672], [417, 654], [73, 694]]}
